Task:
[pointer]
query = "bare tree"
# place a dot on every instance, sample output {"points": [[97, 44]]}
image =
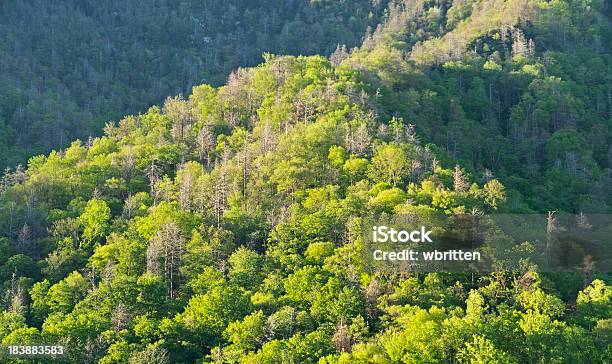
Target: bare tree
{"points": [[150, 355], [179, 114], [267, 137], [120, 317], [128, 164], [358, 138], [24, 240], [221, 189], [551, 227], [186, 190], [459, 181], [205, 142], [342, 338], [153, 174], [17, 296], [164, 255]]}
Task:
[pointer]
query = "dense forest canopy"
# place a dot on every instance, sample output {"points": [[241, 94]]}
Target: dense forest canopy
{"points": [[519, 88], [224, 225], [68, 67]]}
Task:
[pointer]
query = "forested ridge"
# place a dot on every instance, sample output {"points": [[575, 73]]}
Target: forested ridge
{"points": [[68, 67], [225, 226]]}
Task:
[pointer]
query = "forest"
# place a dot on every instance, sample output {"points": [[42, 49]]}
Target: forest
{"points": [[68, 67], [223, 225]]}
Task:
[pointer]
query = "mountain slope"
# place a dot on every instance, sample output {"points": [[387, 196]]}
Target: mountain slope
{"points": [[528, 80], [226, 227], [68, 67]]}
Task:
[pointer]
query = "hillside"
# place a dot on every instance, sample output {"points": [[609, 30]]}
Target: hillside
{"points": [[225, 226], [528, 80], [68, 67]]}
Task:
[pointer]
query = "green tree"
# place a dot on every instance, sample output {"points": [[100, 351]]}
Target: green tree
{"points": [[390, 164], [95, 220]]}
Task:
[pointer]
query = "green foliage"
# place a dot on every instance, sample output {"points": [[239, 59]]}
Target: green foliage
{"points": [[481, 351], [95, 220], [317, 252], [245, 268], [390, 164], [57, 97], [206, 316], [593, 303], [493, 193], [226, 226], [248, 334]]}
